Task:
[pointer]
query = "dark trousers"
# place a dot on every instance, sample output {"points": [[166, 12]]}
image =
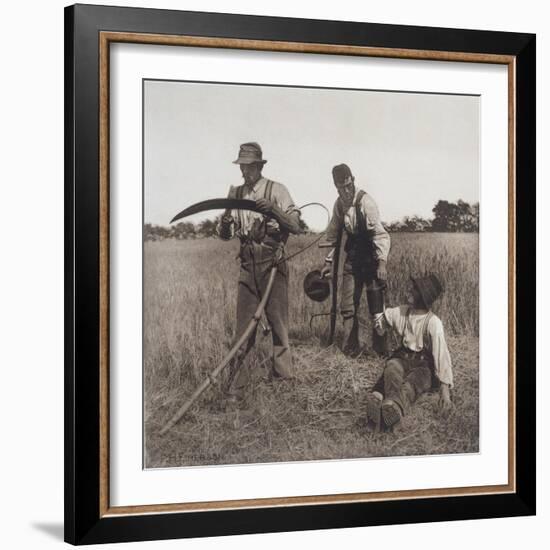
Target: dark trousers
{"points": [[406, 376], [256, 263], [357, 274]]}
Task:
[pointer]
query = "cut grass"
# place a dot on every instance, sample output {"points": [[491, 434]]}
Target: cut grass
{"points": [[320, 415], [189, 317]]}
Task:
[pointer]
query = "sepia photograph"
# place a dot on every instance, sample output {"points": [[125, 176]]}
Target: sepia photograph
{"points": [[310, 273], [299, 273]]}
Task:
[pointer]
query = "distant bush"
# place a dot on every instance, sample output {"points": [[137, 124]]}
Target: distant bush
{"points": [[449, 217], [189, 230]]}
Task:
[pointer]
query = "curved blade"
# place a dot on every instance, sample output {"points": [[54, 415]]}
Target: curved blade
{"points": [[216, 204]]}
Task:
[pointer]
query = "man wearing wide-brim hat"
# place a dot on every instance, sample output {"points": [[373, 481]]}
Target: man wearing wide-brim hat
{"points": [[262, 236], [420, 363]]}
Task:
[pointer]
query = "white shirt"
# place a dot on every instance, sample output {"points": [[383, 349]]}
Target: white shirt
{"points": [[347, 217], [244, 219], [410, 329]]}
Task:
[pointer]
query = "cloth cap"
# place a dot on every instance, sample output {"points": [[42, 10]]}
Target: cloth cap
{"points": [[429, 287], [340, 172], [250, 153], [316, 287]]}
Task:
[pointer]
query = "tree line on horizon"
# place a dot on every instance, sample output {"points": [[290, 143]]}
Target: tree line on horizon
{"points": [[449, 217]]}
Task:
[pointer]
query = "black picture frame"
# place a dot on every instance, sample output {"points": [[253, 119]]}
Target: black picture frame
{"points": [[84, 521]]}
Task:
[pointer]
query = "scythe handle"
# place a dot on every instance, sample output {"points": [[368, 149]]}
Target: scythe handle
{"points": [[244, 337], [335, 271]]}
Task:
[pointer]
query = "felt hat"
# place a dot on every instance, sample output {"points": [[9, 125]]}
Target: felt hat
{"points": [[429, 287], [316, 287], [250, 153], [340, 172]]}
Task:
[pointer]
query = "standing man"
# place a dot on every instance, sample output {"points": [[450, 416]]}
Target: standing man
{"points": [[366, 250], [263, 237]]}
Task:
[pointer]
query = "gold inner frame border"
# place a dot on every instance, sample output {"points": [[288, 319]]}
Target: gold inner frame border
{"points": [[105, 39]]}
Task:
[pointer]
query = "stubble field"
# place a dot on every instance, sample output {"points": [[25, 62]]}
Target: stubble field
{"points": [[189, 320]]}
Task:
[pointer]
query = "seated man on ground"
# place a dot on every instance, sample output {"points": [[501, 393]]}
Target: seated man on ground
{"points": [[420, 364]]}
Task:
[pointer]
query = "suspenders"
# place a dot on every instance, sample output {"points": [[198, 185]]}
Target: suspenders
{"points": [[240, 212], [359, 217], [268, 191], [426, 345]]}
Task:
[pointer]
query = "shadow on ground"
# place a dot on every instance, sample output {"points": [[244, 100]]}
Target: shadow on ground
{"points": [[54, 530]]}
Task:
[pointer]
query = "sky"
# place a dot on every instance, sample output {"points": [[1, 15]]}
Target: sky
{"points": [[407, 150]]}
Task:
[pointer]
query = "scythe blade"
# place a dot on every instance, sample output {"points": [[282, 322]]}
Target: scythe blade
{"points": [[216, 204]]}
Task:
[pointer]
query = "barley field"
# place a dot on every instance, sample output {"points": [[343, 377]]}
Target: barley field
{"points": [[189, 319]]}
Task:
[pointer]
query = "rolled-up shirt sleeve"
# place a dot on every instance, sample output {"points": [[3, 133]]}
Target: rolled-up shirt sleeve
{"points": [[440, 351], [380, 236], [281, 196], [394, 317], [389, 318]]}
